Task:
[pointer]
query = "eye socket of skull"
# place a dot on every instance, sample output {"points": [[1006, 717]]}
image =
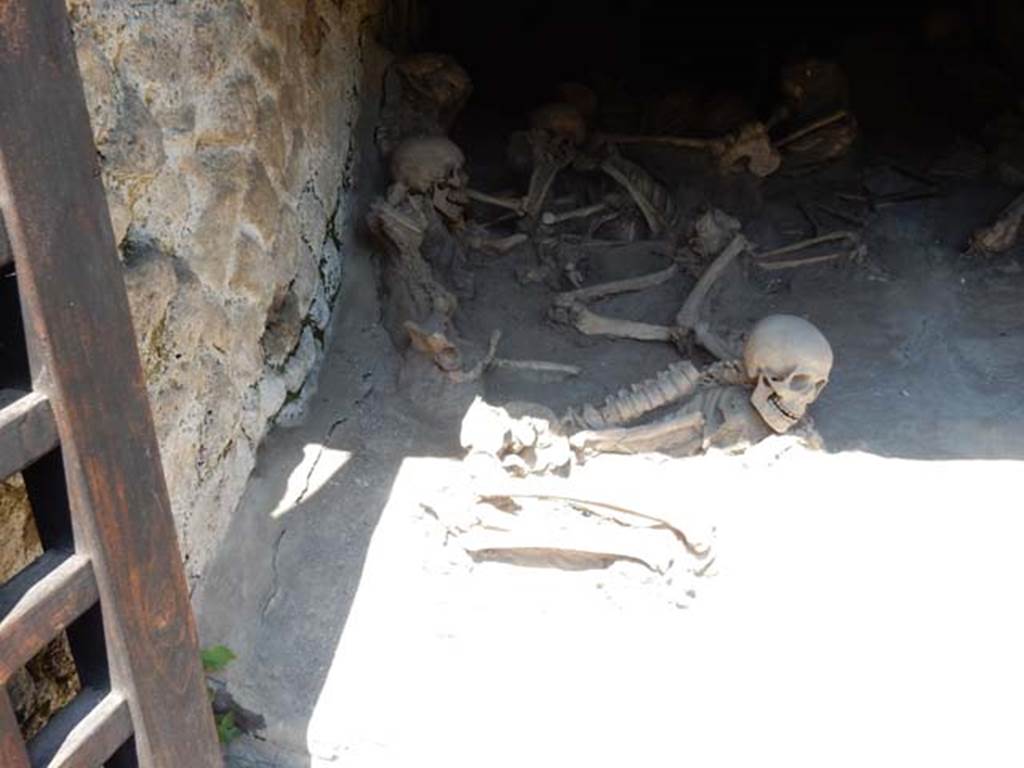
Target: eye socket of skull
{"points": [[801, 382]]}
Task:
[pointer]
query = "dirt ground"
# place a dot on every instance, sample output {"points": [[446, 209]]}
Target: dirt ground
{"points": [[929, 352]]}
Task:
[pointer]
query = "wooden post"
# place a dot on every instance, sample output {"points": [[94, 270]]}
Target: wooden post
{"points": [[86, 363]]}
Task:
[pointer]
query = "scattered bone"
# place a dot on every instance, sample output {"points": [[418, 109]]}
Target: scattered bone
{"points": [[423, 95], [520, 438], [570, 308], [536, 519], [653, 200], [559, 533], [592, 324], [515, 204], [689, 319], [849, 218], [550, 219], [908, 197], [478, 370], [810, 88], [803, 262], [816, 125], [559, 262], [434, 342], [581, 495], [680, 142], [556, 133], [625, 230], [500, 245], [1003, 234], [749, 147], [569, 550], [656, 246], [684, 430], [538, 366], [617, 287], [712, 232], [820, 142], [843, 235], [690, 313]]}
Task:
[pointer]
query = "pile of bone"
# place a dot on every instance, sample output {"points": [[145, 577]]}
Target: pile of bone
{"points": [[609, 519]]}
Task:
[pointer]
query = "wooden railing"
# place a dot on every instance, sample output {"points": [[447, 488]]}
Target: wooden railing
{"points": [[83, 438]]}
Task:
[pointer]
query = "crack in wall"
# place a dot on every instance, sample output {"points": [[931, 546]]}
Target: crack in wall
{"points": [[274, 576], [356, 405]]}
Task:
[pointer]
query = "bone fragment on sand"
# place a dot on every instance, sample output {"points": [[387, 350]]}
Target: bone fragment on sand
{"points": [[801, 245], [511, 203], [537, 366], [616, 287], [689, 315], [643, 438], [550, 218], [592, 324], [810, 128], [682, 142]]}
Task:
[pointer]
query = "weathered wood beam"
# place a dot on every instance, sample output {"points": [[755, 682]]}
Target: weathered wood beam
{"points": [[27, 430], [86, 733], [40, 602], [12, 747]]}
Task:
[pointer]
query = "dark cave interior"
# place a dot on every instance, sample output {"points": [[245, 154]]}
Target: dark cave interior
{"points": [[910, 65]]}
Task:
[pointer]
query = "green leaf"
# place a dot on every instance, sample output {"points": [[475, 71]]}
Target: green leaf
{"points": [[227, 731], [216, 657]]}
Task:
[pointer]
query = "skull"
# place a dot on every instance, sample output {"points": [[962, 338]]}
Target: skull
{"points": [[437, 83], [790, 360], [580, 96], [433, 166], [561, 124], [814, 87]]}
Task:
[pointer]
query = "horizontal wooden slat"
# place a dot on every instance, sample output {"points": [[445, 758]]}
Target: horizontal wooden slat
{"points": [[27, 430], [12, 747], [39, 602], [85, 733]]}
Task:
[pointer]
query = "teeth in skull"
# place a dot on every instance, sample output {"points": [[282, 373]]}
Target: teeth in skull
{"points": [[774, 400]]}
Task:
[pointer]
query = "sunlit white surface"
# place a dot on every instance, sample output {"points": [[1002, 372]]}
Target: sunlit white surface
{"points": [[865, 612], [318, 465]]}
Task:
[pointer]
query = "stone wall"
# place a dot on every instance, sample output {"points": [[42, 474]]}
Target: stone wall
{"points": [[226, 133]]}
